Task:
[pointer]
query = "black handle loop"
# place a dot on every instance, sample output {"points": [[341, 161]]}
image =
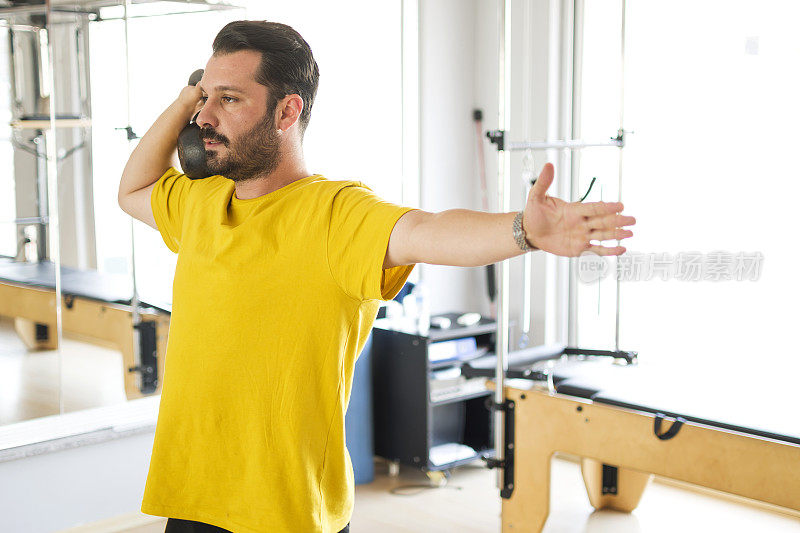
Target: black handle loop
{"points": [[194, 79], [672, 431]]}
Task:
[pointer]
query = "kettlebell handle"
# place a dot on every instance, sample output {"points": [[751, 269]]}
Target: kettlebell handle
{"points": [[191, 148], [194, 79]]}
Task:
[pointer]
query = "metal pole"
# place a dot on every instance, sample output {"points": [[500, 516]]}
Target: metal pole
{"points": [[577, 88], [527, 297], [621, 134], [503, 190], [570, 144], [51, 138], [528, 172], [135, 315]]}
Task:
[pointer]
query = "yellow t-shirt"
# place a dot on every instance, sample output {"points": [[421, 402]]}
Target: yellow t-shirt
{"points": [[273, 299]]}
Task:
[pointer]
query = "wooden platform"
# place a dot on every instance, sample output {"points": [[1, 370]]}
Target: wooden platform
{"points": [[545, 423]]}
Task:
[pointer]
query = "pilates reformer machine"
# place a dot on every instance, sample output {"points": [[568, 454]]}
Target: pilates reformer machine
{"points": [[626, 423], [96, 308]]}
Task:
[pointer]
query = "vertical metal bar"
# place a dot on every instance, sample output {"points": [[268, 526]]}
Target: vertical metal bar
{"points": [[51, 138], [44, 63], [82, 52], [135, 316], [559, 307], [527, 301], [527, 267], [43, 204], [83, 231], [16, 72], [621, 131], [575, 167], [552, 133], [527, 98], [504, 120]]}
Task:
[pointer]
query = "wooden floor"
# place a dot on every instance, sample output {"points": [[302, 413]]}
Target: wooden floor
{"points": [[92, 376], [470, 504], [88, 376]]}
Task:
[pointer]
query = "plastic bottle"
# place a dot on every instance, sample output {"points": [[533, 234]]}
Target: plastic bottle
{"points": [[422, 307]]}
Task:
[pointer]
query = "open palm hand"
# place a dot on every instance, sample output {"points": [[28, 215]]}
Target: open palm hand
{"points": [[571, 228]]}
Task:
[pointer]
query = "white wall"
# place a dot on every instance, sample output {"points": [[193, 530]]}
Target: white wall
{"points": [[58, 490], [459, 72], [448, 146]]}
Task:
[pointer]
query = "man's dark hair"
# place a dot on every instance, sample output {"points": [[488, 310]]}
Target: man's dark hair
{"points": [[287, 64]]}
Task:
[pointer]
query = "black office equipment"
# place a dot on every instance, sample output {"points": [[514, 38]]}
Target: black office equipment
{"points": [[426, 414]]}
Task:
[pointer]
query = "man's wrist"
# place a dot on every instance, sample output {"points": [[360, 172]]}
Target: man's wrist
{"points": [[520, 236], [184, 109]]}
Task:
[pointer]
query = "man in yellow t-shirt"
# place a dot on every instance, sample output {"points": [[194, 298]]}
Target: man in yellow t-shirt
{"points": [[278, 280]]}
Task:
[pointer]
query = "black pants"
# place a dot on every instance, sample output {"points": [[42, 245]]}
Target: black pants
{"points": [[176, 525]]}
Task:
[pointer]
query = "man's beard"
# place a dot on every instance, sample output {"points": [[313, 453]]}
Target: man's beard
{"points": [[253, 154]]}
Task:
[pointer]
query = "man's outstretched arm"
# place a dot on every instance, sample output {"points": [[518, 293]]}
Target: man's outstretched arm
{"points": [[461, 237]]}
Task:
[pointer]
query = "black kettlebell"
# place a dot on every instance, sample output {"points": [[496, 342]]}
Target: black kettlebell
{"points": [[191, 148]]}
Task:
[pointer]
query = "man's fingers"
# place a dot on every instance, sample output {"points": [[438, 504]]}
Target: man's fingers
{"points": [[608, 234], [539, 189], [593, 209], [612, 220], [606, 250]]}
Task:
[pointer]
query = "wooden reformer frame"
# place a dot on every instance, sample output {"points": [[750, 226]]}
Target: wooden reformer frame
{"points": [[623, 442], [105, 324]]}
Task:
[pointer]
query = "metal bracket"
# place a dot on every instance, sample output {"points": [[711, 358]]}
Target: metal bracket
{"points": [[620, 138], [610, 479], [148, 357], [507, 463], [497, 137], [42, 332], [129, 132]]}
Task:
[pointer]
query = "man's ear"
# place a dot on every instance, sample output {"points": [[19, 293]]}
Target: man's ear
{"points": [[288, 111]]}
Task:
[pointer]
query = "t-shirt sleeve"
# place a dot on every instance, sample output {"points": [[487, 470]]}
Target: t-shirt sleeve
{"points": [[361, 224], [169, 201]]}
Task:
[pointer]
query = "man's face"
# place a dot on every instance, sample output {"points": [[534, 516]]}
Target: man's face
{"points": [[239, 129]]}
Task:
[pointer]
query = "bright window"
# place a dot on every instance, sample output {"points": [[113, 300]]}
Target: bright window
{"points": [[711, 94]]}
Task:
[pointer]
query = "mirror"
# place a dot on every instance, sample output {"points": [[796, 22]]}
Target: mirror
{"points": [[30, 361], [96, 334]]}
